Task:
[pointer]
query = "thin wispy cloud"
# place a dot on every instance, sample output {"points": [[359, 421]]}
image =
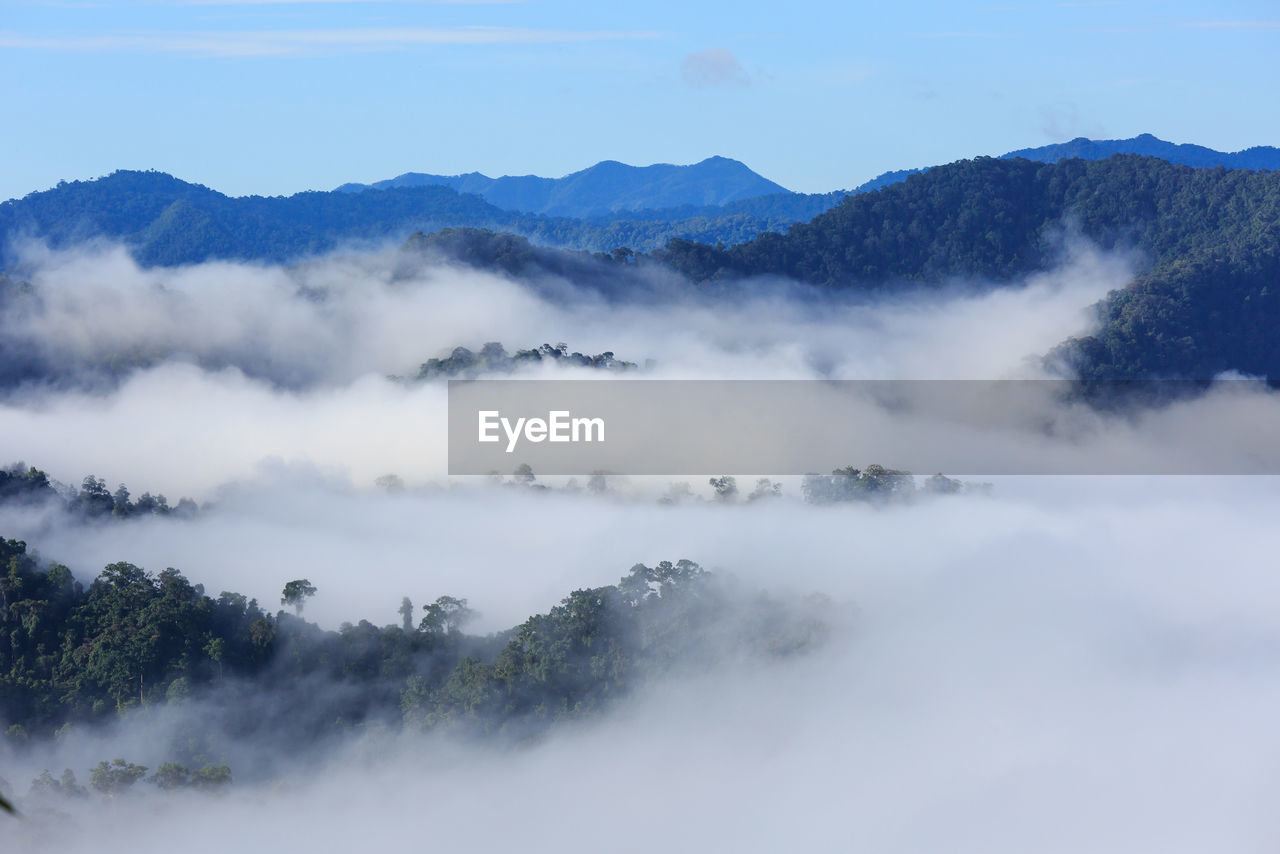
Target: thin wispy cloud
{"points": [[306, 42], [954, 34], [101, 4], [1064, 4], [342, 2], [1234, 25]]}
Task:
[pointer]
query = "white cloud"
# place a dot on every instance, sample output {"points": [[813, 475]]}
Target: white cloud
{"points": [[713, 67], [295, 360]]}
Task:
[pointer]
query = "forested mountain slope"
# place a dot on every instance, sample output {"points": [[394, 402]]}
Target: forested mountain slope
{"points": [[1204, 303], [165, 221]]}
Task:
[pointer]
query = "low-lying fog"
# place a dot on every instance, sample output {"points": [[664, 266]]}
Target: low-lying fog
{"points": [[243, 363], [1092, 670]]}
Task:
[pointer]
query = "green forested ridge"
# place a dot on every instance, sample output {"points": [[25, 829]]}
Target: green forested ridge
{"points": [[1202, 303], [1001, 218], [1213, 311], [1257, 157], [165, 221], [93, 500], [71, 653], [1210, 237]]}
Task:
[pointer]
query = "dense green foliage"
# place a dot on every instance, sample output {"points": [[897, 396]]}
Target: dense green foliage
{"points": [[131, 638], [1211, 237], [93, 500], [1001, 218], [1194, 317], [165, 221], [68, 652], [596, 643]]}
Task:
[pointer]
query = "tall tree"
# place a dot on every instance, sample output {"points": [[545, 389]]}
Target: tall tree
{"points": [[296, 593]]}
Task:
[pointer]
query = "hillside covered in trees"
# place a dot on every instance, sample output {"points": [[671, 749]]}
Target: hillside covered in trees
{"points": [[165, 221], [1148, 145], [80, 654], [996, 219], [1210, 237], [1206, 238]]}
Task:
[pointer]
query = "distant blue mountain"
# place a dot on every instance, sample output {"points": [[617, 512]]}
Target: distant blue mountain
{"points": [[164, 220], [609, 187], [1258, 157], [885, 179]]}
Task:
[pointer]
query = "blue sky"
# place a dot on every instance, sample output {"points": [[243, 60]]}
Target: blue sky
{"points": [[277, 96]]}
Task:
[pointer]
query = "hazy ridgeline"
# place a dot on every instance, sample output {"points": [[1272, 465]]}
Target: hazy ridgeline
{"points": [[1063, 664]]}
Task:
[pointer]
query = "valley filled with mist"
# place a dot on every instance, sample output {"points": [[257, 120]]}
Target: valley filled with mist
{"points": [[519, 425], [242, 588]]}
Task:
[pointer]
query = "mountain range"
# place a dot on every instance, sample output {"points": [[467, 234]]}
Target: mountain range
{"points": [[668, 192], [1203, 303], [603, 189], [166, 221], [1258, 157], [1206, 299]]}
